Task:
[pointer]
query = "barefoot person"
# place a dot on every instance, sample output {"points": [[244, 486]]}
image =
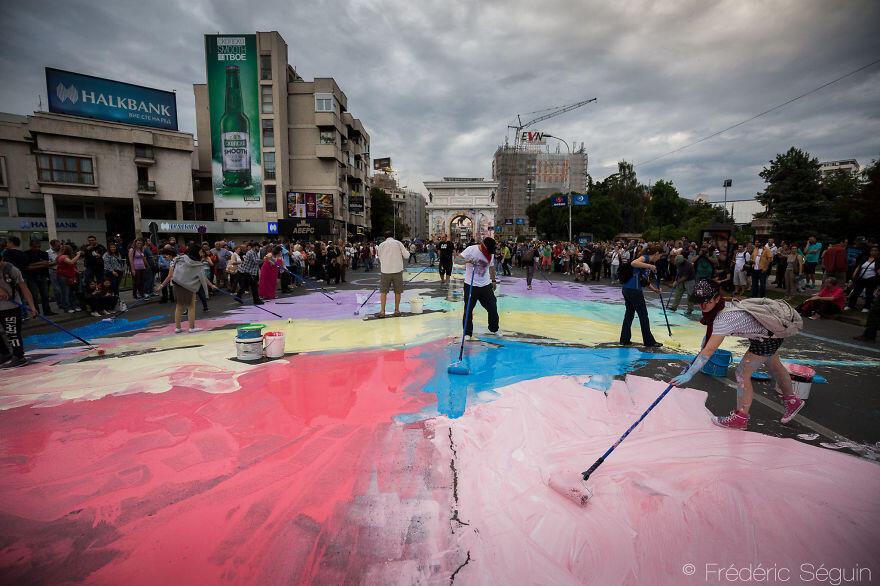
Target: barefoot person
{"points": [[392, 254], [763, 351]]}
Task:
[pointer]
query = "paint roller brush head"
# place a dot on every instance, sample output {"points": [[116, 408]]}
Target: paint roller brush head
{"points": [[100, 351], [458, 369], [571, 485]]}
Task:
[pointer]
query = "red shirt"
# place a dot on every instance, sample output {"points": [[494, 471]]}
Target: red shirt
{"points": [[835, 259], [835, 292]]}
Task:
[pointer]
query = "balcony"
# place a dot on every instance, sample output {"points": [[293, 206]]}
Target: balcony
{"points": [[328, 151], [268, 173], [144, 155], [146, 187]]}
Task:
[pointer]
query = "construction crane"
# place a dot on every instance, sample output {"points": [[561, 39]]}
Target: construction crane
{"points": [[550, 113], [553, 112]]}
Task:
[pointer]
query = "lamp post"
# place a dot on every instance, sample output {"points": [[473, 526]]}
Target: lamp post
{"points": [[567, 182], [727, 183]]}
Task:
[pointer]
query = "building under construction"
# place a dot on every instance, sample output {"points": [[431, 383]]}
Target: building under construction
{"points": [[527, 174]]}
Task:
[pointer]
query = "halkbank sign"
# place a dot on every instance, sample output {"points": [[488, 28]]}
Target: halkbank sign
{"points": [[105, 99]]}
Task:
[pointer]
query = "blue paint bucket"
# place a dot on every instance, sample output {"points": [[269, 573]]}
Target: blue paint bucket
{"points": [[718, 363], [251, 331]]}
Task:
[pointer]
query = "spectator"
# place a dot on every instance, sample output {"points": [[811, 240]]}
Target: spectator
{"points": [[249, 273], [829, 301], [93, 258], [865, 279], [66, 278], [684, 283], [138, 263], [811, 259], [114, 266], [834, 261], [36, 275]]}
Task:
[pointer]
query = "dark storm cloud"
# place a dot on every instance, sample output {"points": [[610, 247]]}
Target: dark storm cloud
{"points": [[437, 83]]}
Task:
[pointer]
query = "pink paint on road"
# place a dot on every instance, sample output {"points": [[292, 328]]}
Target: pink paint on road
{"points": [[300, 476], [678, 490]]}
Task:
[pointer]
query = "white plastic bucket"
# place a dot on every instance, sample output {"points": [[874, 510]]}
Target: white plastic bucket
{"points": [[801, 379], [274, 347], [416, 305], [249, 348]]}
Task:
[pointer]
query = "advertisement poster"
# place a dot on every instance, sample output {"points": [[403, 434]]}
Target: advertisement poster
{"points": [[233, 100], [105, 99], [560, 201], [311, 206], [296, 205], [324, 203], [356, 204]]}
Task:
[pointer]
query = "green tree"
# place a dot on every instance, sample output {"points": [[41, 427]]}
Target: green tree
{"points": [[624, 187], [851, 201], [381, 211], [666, 210], [796, 204]]}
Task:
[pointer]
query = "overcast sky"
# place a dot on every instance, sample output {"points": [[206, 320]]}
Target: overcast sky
{"points": [[436, 83]]}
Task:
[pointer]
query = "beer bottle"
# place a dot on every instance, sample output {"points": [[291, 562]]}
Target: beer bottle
{"points": [[235, 136]]}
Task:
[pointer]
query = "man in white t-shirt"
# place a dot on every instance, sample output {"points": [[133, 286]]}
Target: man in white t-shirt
{"points": [[391, 255], [479, 284]]}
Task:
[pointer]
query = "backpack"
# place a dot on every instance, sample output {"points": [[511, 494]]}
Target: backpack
{"points": [[774, 314], [528, 255]]}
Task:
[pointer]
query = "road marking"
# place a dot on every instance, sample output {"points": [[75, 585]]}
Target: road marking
{"points": [[833, 341]]}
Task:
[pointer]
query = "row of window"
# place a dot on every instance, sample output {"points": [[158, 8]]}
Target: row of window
{"points": [[65, 169]]}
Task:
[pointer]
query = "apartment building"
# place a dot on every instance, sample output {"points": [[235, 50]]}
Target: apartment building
{"points": [[310, 178], [410, 206]]}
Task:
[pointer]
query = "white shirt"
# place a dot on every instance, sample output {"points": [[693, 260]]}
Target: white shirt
{"points": [[741, 259], [868, 270], [391, 255], [482, 276], [758, 252]]}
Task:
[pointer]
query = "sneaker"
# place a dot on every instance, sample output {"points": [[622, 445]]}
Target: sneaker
{"points": [[16, 362], [654, 344], [529, 287], [735, 420], [792, 405], [865, 310], [178, 330], [71, 311], [95, 314], [497, 334], [5, 357], [105, 312], [195, 329]]}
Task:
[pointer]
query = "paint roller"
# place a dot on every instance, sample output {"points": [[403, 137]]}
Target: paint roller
{"points": [[573, 485]]}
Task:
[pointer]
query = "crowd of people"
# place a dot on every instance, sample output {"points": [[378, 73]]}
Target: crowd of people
{"points": [[87, 277]]}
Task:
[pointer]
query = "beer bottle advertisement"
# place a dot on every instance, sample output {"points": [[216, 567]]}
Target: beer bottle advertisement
{"points": [[233, 98]]}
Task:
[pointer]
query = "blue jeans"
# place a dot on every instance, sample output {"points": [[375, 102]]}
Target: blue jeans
{"points": [[65, 295], [39, 286], [635, 304], [759, 283]]}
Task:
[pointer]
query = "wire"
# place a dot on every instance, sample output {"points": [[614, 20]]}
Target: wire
{"points": [[759, 115]]}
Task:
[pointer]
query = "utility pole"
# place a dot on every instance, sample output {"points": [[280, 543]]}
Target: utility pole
{"points": [[727, 183]]}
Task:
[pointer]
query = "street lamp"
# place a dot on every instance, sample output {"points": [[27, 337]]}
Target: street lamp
{"points": [[567, 182], [727, 183]]}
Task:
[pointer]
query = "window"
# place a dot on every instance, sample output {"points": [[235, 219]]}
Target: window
{"points": [[265, 67], [269, 165], [4, 206], [266, 99], [143, 151], [65, 169], [324, 103], [31, 207], [328, 137], [268, 134], [271, 203], [3, 171]]}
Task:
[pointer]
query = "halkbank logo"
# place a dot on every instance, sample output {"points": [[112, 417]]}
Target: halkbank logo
{"points": [[67, 93]]}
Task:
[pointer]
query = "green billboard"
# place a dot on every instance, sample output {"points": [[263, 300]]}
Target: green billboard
{"points": [[233, 101]]}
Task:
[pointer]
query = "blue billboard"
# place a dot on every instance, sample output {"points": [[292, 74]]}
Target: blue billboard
{"points": [[114, 101]]}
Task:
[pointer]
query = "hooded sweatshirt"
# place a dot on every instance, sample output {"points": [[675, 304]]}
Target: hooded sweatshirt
{"points": [[189, 273]]}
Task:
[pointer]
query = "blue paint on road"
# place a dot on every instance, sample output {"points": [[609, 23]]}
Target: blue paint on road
{"points": [[98, 329]]}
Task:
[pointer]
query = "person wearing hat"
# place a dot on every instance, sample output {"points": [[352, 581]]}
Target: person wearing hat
{"points": [[684, 282], [763, 351], [479, 283]]}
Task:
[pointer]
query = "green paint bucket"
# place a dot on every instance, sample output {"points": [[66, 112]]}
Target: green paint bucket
{"points": [[251, 331]]}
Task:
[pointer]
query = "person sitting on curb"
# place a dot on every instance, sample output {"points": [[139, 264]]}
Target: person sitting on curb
{"points": [[763, 351], [827, 303]]}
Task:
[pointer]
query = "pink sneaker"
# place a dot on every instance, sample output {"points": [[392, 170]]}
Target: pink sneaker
{"points": [[735, 420], [792, 405]]}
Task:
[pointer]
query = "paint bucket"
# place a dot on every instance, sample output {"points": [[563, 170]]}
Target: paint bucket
{"points": [[249, 348], [801, 379], [416, 305], [251, 331], [718, 363], [274, 347]]}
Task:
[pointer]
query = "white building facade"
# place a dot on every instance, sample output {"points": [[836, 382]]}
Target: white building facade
{"points": [[462, 208]]}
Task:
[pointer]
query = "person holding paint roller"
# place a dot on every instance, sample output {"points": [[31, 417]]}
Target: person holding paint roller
{"points": [[750, 319], [392, 254], [10, 315], [631, 275], [187, 275], [479, 284]]}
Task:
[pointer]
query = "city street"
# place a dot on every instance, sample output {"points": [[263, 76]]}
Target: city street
{"points": [[356, 456]]}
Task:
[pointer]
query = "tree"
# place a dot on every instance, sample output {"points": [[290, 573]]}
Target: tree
{"points": [[796, 204], [851, 201], [624, 188], [665, 210], [381, 211]]}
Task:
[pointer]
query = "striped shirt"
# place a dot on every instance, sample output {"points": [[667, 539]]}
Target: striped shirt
{"points": [[251, 262]]}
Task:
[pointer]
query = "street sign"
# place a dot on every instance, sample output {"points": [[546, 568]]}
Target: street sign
{"points": [[580, 199], [560, 201], [272, 227]]}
